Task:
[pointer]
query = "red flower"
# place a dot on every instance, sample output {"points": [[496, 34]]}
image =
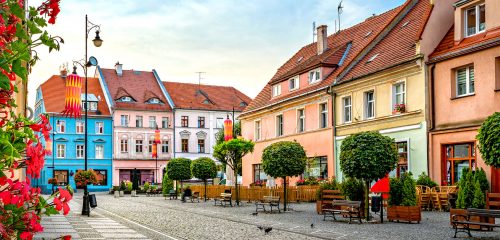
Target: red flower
{"points": [[26, 235], [67, 237], [51, 8], [35, 160], [42, 127], [62, 200]]}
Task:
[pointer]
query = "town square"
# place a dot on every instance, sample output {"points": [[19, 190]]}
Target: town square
{"points": [[230, 119]]}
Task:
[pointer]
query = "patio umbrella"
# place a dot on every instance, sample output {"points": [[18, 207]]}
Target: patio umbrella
{"points": [[381, 186]]}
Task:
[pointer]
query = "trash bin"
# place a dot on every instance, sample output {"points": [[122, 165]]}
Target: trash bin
{"points": [[376, 202], [92, 201]]}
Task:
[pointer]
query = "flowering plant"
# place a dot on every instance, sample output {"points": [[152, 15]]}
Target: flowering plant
{"points": [[258, 183], [21, 206], [400, 107], [52, 181], [84, 178]]}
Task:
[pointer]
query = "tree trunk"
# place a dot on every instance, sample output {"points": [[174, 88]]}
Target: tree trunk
{"points": [[205, 190], [235, 170], [367, 207], [284, 194]]}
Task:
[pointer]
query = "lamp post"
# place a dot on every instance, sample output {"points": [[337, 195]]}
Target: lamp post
{"points": [[92, 61], [54, 132]]}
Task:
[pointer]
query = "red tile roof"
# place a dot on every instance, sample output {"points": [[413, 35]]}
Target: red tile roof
{"points": [[397, 47], [220, 98], [448, 48], [54, 89], [139, 85], [356, 35]]}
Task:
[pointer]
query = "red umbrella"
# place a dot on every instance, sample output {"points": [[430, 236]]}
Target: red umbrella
{"points": [[381, 186]]}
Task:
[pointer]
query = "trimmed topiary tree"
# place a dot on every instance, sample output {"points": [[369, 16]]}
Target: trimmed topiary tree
{"points": [[479, 200], [368, 156], [465, 189], [204, 168], [489, 140], [284, 159], [409, 191], [166, 185], [179, 169]]}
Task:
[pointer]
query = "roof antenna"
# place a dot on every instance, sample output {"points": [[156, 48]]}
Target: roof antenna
{"points": [[339, 11], [335, 25], [199, 79], [314, 31]]}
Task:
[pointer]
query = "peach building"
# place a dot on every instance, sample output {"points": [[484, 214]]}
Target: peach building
{"points": [[464, 87]]}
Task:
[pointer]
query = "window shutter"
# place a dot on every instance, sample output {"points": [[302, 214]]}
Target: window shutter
{"points": [[471, 79], [461, 81]]}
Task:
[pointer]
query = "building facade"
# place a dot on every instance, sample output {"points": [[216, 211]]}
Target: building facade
{"points": [[464, 89], [139, 106], [68, 136]]}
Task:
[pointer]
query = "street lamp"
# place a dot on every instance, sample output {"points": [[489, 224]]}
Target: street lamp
{"points": [[87, 62]]}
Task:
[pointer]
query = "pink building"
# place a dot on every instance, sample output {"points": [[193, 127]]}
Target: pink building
{"points": [[139, 105], [464, 90]]}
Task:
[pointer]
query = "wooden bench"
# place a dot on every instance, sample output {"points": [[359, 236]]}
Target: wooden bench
{"points": [[493, 200], [195, 196], [327, 196], [172, 194], [271, 201], [352, 210], [461, 223], [224, 199]]}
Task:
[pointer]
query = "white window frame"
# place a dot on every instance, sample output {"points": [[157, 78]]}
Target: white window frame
{"points": [[99, 151], [276, 90], [142, 146], [394, 93], [296, 82], [301, 120], [137, 117], [279, 131], [61, 126], [163, 144], [467, 81], [258, 129], [124, 145], [61, 150], [99, 127], [344, 107], [164, 122], [367, 104], [219, 122], [314, 76], [122, 122], [152, 121], [321, 112], [476, 8], [79, 125], [80, 151], [93, 106]]}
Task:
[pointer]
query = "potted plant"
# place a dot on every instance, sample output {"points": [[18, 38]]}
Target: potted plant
{"points": [[123, 186], [399, 108], [472, 189], [116, 191], [425, 180], [258, 183], [403, 200]]}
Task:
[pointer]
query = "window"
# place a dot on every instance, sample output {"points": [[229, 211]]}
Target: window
{"points": [[301, 120], [125, 99], [184, 121], [219, 123], [293, 83], [99, 151], [79, 127], [61, 126], [124, 120], [323, 119], [279, 125], [138, 121], [61, 176], [102, 177], [124, 146], [61, 150], [458, 157], [164, 122], [201, 145], [258, 173], [184, 145], [80, 151], [99, 127], [154, 101], [316, 167], [347, 109], [399, 95], [314, 76], [164, 146], [475, 20], [152, 122], [93, 106], [277, 90], [201, 122], [138, 146], [465, 81], [257, 130], [403, 158], [369, 105], [150, 145]]}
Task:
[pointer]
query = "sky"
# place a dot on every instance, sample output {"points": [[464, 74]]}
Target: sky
{"points": [[237, 43]]}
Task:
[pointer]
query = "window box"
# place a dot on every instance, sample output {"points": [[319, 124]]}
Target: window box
{"points": [[399, 108]]}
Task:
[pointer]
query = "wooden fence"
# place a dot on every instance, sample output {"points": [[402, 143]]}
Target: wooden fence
{"points": [[294, 193]]}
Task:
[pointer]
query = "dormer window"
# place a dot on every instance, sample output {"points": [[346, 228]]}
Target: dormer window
{"points": [[293, 83], [372, 58], [243, 104], [277, 90], [475, 20], [314, 76], [154, 101], [206, 101], [125, 99], [92, 102]]}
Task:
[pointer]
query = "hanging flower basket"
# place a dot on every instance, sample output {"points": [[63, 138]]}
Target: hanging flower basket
{"points": [[84, 178]]}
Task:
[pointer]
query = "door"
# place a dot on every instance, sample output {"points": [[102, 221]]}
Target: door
{"points": [[495, 180]]}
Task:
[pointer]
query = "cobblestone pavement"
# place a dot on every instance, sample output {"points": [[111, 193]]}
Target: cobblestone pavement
{"points": [[157, 218]]}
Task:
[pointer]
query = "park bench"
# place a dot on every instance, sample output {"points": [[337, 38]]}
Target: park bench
{"points": [[327, 196], [352, 209], [195, 196], [271, 201], [172, 194], [461, 223], [224, 199]]}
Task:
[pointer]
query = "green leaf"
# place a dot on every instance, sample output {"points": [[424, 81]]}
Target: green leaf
{"points": [[34, 29], [16, 9], [4, 82], [21, 32], [17, 67]]}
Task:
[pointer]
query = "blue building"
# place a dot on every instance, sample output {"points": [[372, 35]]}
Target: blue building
{"points": [[68, 136]]}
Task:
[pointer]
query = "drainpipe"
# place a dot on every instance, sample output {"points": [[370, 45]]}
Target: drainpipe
{"points": [[173, 130], [432, 113], [334, 132]]}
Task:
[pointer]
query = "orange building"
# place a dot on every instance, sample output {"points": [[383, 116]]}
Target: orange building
{"points": [[464, 89]]}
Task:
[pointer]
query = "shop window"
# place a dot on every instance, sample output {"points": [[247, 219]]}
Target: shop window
{"points": [[456, 158], [316, 167], [102, 177], [61, 176], [258, 173]]}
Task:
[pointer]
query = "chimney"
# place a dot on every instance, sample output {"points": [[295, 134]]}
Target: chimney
{"points": [[322, 39], [118, 69], [63, 69]]}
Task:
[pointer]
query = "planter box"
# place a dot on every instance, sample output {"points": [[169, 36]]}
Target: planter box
{"points": [[454, 211], [404, 213]]}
